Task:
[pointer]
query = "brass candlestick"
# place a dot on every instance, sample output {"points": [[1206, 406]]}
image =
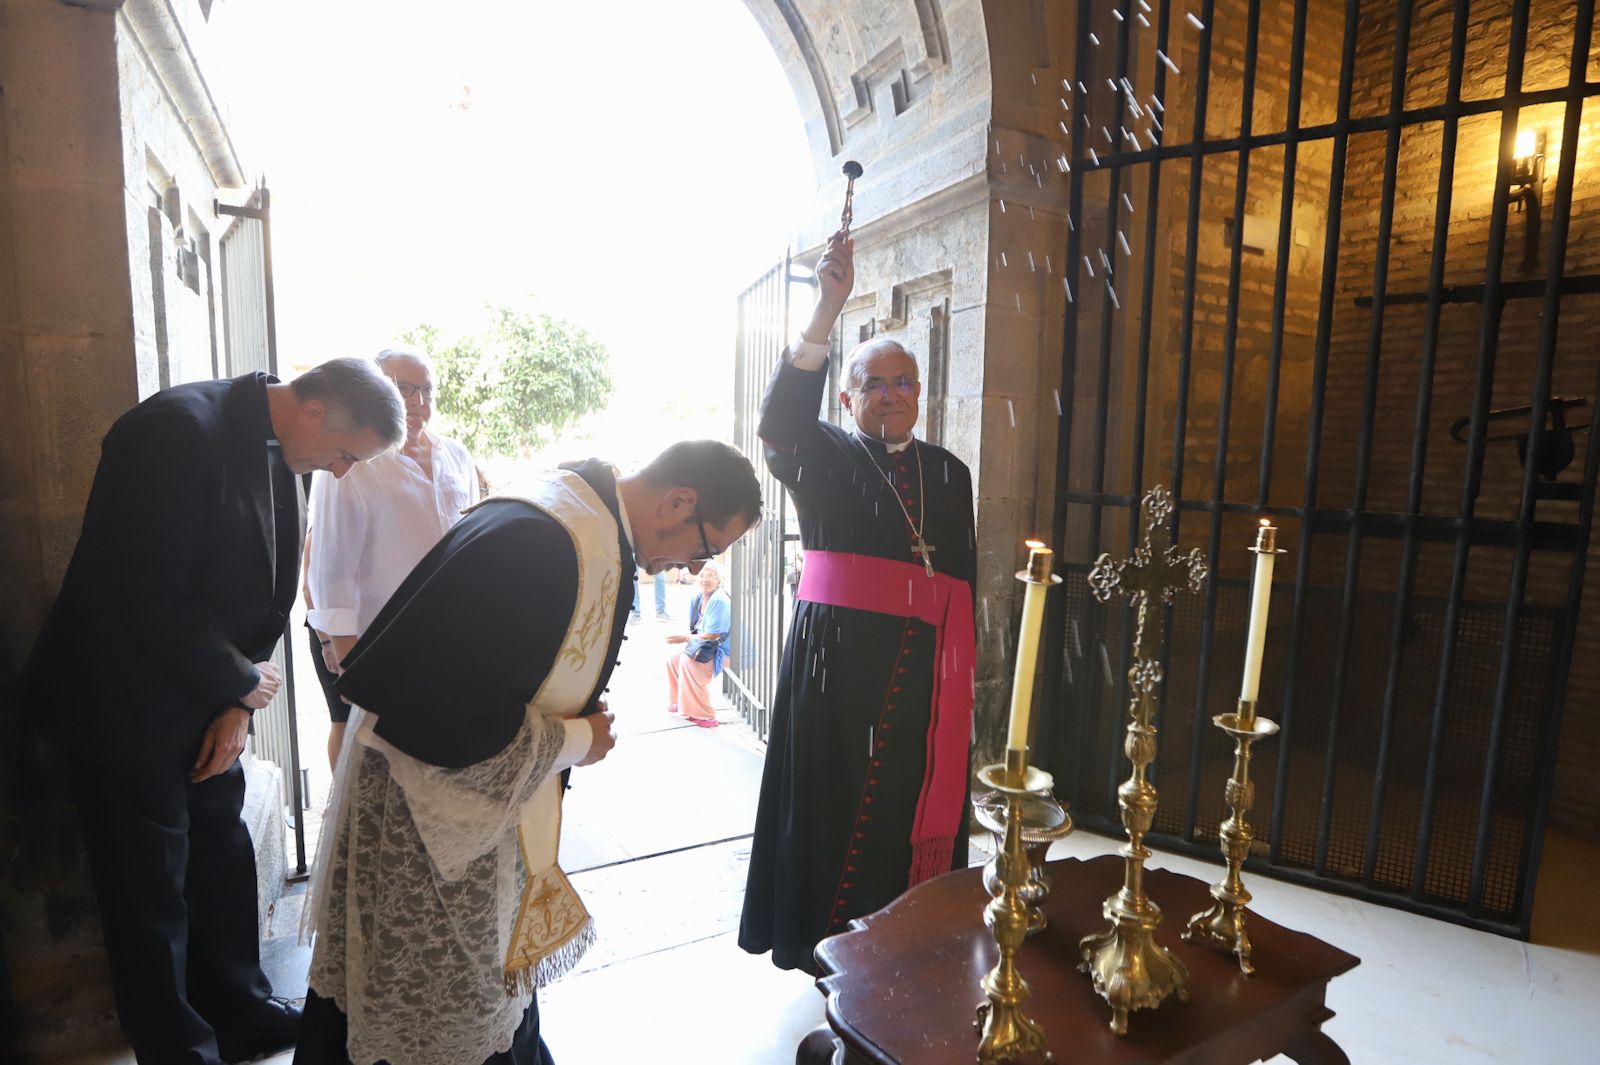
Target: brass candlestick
{"points": [[1044, 820], [852, 170], [1006, 1033], [1130, 970], [1223, 924]]}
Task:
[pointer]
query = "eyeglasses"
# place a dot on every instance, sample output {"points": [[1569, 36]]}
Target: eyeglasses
{"points": [[694, 564], [904, 384], [409, 392]]}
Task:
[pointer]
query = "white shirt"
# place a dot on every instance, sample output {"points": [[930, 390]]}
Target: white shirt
{"points": [[370, 528]]}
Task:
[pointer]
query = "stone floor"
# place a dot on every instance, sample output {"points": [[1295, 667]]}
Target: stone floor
{"points": [[657, 840]]}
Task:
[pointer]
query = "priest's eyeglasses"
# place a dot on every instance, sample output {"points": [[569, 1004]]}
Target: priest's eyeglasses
{"points": [[878, 386], [694, 565], [409, 392]]}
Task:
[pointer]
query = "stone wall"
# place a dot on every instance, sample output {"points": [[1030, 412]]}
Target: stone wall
{"points": [[65, 342], [109, 166]]}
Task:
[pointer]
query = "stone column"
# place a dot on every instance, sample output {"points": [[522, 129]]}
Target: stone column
{"points": [[66, 372]]}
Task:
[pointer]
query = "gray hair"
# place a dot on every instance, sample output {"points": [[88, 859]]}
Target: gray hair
{"points": [[404, 353], [358, 395], [855, 363]]}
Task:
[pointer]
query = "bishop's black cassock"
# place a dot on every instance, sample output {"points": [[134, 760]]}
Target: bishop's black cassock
{"points": [[848, 749]]}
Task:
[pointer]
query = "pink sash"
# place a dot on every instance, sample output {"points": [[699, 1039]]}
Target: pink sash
{"points": [[904, 590]]}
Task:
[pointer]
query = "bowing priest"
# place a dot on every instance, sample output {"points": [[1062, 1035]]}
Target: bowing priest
{"points": [[439, 906], [864, 792]]}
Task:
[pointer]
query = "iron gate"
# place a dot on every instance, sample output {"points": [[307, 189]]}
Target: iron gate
{"points": [[765, 556], [249, 328], [1288, 274]]}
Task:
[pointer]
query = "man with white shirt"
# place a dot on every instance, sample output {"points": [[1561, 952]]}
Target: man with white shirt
{"points": [[369, 528], [864, 791]]}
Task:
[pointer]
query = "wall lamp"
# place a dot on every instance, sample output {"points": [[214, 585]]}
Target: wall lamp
{"points": [[1526, 184]]}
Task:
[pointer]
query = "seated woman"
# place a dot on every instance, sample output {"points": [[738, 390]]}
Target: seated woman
{"points": [[690, 672]]}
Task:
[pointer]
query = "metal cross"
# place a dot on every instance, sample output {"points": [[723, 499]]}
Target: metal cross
{"points": [[1155, 570], [925, 552]]}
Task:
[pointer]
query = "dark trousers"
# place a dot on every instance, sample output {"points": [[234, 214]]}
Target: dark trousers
{"points": [[324, 1031], [338, 709], [175, 874]]}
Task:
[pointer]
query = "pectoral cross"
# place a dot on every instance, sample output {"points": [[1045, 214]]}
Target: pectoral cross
{"points": [[925, 549]]}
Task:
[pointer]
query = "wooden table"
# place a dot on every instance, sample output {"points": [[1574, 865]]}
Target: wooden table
{"points": [[902, 984]]}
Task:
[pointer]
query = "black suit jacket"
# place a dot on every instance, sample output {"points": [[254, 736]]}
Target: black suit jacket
{"points": [[452, 659], [174, 589]]}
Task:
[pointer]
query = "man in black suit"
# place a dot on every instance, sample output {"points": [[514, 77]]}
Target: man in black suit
{"points": [[151, 662]]}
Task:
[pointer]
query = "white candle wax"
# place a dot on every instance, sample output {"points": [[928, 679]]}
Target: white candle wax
{"points": [[1028, 648], [1260, 603]]}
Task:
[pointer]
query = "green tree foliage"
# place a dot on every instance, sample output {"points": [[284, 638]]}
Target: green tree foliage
{"points": [[513, 388]]}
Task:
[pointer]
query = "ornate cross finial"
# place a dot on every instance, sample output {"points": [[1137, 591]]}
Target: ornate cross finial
{"points": [[1156, 569]]}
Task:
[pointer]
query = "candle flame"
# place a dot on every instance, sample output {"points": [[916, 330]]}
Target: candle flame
{"points": [[1033, 545], [1266, 523]]}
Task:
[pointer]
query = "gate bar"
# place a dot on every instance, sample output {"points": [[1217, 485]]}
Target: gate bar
{"points": [[1280, 281], [1443, 197], [1369, 405], [1555, 268], [1107, 330], [1319, 377], [1219, 469], [1488, 346], [1069, 371], [1347, 125]]}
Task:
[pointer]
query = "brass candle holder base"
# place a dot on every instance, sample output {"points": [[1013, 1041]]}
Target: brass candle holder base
{"points": [[1222, 925], [1044, 820], [1005, 1032], [1130, 970]]}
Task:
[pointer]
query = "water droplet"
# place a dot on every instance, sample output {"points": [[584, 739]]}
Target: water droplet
{"points": [[1011, 410], [1064, 105], [1031, 267], [1038, 180], [1111, 85], [1064, 128], [1123, 242], [1156, 122], [1002, 207], [1094, 40], [1068, 286], [1002, 260], [1047, 264], [1034, 78], [1144, 22], [1019, 303], [1152, 136], [1094, 157], [1058, 403], [1062, 164], [1104, 260], [1144, 6], [1089, 266], [1193, 21], [1082, 89], [1112, 292], [1155, 102], [1072, 227], [1107, 134], [1170, 65], [1127, 204], [1117, 14]]}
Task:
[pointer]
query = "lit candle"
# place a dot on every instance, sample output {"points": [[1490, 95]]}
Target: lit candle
{"points": [[1266, 549], [1038, 579]]}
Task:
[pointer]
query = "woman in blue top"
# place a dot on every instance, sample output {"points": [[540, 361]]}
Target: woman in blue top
{"points": [[690, 672]]}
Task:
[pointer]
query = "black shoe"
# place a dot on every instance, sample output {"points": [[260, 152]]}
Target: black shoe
{"points": [[276, 1027]]}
